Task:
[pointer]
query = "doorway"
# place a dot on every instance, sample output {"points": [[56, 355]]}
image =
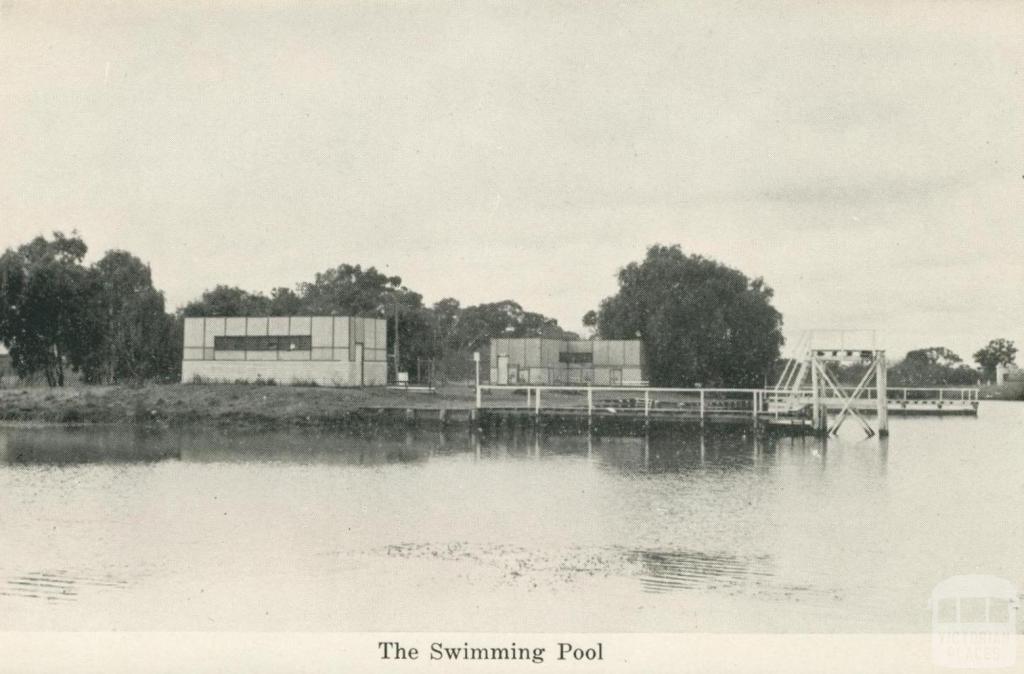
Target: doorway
{"points": [[502, 369]]}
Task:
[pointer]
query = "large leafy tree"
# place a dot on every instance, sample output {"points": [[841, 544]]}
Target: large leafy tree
{"points": [[43, 305], [132, 338], [700, 321], [997, 352]]}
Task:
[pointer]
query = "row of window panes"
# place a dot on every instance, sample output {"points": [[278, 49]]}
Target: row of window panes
{"points": [[293, 343]]}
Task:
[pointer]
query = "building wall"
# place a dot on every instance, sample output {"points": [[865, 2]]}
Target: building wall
{"points": [[539, 361], [324, 351], [323, 373]]}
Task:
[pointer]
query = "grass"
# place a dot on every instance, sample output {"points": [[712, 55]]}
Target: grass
{"points": [[221, 404]]}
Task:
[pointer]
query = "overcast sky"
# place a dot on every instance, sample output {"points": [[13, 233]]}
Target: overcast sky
{"points": [[866, 159]]}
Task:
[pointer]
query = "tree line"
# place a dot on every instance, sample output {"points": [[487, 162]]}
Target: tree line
{"points": [[701, 322], [105, 321], [108, 323]]}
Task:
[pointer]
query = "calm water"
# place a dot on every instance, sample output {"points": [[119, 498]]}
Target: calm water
{"points": [[108, 529]]}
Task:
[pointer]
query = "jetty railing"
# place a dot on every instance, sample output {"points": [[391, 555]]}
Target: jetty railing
{"points": [[966, 394], [697, 403]]}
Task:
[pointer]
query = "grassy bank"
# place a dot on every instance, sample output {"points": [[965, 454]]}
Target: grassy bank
{"points": [[219, 404]]}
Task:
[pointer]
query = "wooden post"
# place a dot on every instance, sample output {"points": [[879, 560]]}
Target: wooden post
{"points": [[647, 403], [702, 408], [590, 402], [528, 397], [754, 405], [882, 391], [537, 403]]}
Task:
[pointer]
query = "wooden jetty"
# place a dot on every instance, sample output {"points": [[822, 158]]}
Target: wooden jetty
{"points": [[760, 408]]}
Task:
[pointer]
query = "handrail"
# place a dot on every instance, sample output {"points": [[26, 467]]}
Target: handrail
{"points": [[655, 389], [641, 389], [534, 395]]}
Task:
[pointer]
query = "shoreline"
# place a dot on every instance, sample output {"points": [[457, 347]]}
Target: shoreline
{"points": [[233, 405], [243, 406]]}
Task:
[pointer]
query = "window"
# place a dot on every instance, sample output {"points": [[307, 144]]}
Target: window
{"points": [[577, 358], [293, 343]]}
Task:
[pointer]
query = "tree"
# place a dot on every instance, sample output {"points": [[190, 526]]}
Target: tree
{"points": [[935, 355], [997, 352], [700, 321], [354, 291], [43, 305], [228, 301], [932, 366], [284, 302], [479, 323], [130, 334]]}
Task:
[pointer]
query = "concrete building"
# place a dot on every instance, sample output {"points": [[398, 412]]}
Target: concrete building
{"points": [[6, 367], [1008, 373], [566, 362], [327, 350]]}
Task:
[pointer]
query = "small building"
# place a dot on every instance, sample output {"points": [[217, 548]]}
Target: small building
{"points": [[325, 350], [566, 362], [1008, 373]]}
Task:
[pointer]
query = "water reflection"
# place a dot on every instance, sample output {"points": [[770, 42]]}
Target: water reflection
{"points": [[71, 446], [655, 451]]}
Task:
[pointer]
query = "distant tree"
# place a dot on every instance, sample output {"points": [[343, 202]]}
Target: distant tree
{"points": [[935, 355], [700, 321], [228, 301], [478, 324], [932, 366], [353, 291], [446, 316], [43, 298], [284, 302], [997, 352]]}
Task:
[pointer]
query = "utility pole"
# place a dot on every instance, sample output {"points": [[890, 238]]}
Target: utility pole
{"points": [[397, 343]]}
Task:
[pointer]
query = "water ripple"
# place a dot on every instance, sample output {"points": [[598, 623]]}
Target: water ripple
{"points": [[57, 586]]}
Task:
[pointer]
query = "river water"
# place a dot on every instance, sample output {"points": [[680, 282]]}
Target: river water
{"points": [[102, 528]]}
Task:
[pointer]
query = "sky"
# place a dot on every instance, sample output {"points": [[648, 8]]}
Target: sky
{"points": [[865, 158]]}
